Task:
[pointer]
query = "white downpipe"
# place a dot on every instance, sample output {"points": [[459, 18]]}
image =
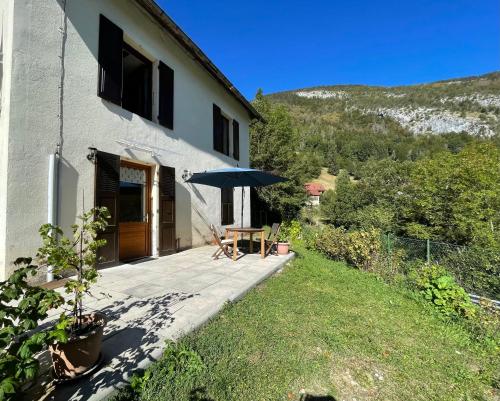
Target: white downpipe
{"points": [[52, 201]]}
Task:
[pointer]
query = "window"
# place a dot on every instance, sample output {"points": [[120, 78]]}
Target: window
{"points": [[222, 134], [236, 140], [137, 89], [227, 208], [225, 135], [125, 76]]}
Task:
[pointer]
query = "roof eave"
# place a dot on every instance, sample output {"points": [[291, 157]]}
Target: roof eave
{"points": [[178, 34]]}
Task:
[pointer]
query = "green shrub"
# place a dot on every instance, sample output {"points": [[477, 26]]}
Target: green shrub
{"points": [[477, 269], [309, 236], [174, 372], [290, 230], [359, 248], [439, 287]]}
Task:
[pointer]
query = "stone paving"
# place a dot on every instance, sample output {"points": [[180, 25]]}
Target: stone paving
{"points": [[150, 301]]}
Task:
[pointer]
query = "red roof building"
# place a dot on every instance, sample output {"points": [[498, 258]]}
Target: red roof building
{"points": [[314, 189]]}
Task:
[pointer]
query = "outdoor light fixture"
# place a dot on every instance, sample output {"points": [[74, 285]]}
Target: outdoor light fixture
{"points": [[186, 174], [92, 154]]}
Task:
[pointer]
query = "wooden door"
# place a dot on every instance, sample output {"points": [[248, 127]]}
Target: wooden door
{"points": [[107, 189], [167, 211], [135, 211]]}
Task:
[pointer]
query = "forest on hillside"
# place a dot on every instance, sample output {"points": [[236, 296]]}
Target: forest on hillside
{"points": [[433, 184]]}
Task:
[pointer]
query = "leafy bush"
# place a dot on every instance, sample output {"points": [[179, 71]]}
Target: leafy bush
{"points": [[290, 230], [179, 366], [478, 270], [440, 288], [358, 248], [22, 307]]}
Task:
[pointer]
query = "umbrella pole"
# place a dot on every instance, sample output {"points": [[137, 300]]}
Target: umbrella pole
{"points": [[242, 195]]}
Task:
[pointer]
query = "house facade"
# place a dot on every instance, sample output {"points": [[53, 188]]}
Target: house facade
{"points": [[314, 191], [109, 103]]}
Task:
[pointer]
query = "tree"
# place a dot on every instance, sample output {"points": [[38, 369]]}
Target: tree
{"points": [[456, 197], [274, 146]]}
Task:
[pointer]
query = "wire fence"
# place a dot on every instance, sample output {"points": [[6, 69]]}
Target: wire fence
{"points": [[475, 269]]}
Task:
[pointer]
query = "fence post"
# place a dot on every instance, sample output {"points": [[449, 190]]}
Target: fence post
{"points": [[428, 252]]}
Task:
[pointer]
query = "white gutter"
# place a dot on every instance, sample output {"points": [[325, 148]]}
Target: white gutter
{"points": [[52, 200]]}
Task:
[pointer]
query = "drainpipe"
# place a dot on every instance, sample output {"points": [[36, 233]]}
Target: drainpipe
{"points": [[52, 200]]}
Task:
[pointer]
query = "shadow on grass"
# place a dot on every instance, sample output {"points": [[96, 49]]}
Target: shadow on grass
{"points": [[310, 397], [199, 394]]}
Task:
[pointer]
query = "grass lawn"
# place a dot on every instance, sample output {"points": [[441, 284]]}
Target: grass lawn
{"points": [[326, 329]]}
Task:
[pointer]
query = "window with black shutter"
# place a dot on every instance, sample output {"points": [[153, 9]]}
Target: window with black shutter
{"points": [[225, 135], [166, 96], [217, 128], [110, 61], [227, 206], [236, 140], [125, 75]]}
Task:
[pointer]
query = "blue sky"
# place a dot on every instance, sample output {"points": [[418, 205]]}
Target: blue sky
{"points": [[278, 45]]}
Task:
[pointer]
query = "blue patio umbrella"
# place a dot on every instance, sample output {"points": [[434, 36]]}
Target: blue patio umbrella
{"points": [[236, 177]]}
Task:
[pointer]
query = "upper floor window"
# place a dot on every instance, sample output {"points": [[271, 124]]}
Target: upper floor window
{"points": [[125, 76], [222, 134], [137, 91]]}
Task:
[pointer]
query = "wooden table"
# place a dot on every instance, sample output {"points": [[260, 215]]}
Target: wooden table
{"points": [[246, 230]]}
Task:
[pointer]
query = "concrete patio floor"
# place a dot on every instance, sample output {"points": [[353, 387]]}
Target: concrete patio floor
{"points": [[150, 301]]}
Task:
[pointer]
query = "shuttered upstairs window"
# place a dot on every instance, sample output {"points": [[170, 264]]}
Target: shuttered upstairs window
{"points": [[166, 96], [227, 206], [225, 135], [236, 140], [110, 61], [217, 128]]}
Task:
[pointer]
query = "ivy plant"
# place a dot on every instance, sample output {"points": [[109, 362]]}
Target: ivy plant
{"points": [[22, 307], [77, 255]]}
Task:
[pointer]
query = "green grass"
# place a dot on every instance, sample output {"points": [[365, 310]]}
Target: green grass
{"points": [[323, 328]]}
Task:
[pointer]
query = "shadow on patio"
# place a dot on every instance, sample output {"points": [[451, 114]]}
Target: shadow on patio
{"points": [[158, 299]]}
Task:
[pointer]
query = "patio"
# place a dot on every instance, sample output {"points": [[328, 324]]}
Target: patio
{"points": [[150, 301]]}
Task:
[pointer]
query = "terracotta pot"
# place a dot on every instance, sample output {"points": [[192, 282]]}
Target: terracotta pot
{"points": [[80, 353], [283, 248]]}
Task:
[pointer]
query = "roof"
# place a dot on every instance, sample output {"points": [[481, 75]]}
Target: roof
{"points": [[173, 29], [314, 189]]}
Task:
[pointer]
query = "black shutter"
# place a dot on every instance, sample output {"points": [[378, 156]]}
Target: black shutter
{"points": [[167, 210], [236, 140], [218, 146], [110, 61], [166, 98], [107, 192]]}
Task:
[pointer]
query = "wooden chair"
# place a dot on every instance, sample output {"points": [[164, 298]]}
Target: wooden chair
{"points": [[272, 239], [224, 244]]}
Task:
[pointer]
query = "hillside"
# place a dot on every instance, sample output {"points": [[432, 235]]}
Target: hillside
{"points": [[470, 105], [346, 126]]}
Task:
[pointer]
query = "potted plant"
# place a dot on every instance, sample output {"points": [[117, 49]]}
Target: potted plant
{"points": [[22, 307], [78, 255], [289, 231]]}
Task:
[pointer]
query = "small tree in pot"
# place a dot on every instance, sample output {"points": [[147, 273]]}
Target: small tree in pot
{"points": [[78, 255], [22, 307], [289, 231]]}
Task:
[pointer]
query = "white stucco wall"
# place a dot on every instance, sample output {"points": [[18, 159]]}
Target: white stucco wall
{"points": [[87, 120], [6, 18]]}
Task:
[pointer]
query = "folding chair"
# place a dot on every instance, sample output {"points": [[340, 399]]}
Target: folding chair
{"points": [[223, 244], [272, 239]]}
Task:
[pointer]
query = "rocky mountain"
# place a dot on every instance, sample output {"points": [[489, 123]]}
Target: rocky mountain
{"points": [[467, 105]]}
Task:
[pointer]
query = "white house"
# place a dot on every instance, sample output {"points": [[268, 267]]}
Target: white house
{"points": [[108, 102]]}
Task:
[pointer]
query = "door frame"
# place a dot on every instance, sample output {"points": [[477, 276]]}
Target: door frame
{"points": [[147, 168]]}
